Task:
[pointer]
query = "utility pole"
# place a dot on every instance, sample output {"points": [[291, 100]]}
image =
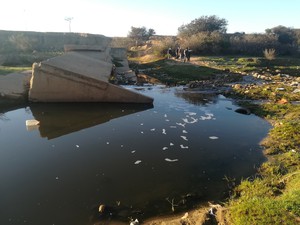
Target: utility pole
{"points": [[69, 19]]}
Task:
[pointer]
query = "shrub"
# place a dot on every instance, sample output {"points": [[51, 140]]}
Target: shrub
{"points": [[269, 54]]}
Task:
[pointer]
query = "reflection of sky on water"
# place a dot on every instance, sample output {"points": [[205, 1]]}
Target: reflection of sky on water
{"points": [[135, 155]]}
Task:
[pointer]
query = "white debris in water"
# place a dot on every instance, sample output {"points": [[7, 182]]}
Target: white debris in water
{"points": [[181, 124], [165, 148], [208, 116], [138, 162], [171, 144], [56, 178], [213, 137], [77, 146], [142, 132], [107, 143], [164, 131], [165, 116], [184, 131], [184, 147], [133, 151], [171, 160], [32, 124], [122, 146], [173, 127], [184, 138], [193, 120], [153, 129], [191, 113], [167, 120], [141, 124]]}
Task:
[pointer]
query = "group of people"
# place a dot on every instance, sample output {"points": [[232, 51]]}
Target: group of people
{"points": [[180, 53]]}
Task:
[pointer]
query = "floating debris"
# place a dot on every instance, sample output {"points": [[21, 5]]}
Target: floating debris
{"points": [[208, 116], [141, 124], [153, 129], [32, 124], [193, 120], [165, 148], [184, 147], [171, 144], [138, 162], [142, 132], [165, 116], [107, 143], [164, 131], [213, 138], [173, 127], [184, 131], [171, 160], [77, 146], [184, 138], [181, 124], [191, 113], [133, 151]]}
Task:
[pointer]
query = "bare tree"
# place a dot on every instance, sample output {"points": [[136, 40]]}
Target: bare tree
{"points": [[69, 19]]}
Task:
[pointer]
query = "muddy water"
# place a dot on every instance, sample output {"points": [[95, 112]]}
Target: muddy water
{"points": [[134, 159]]}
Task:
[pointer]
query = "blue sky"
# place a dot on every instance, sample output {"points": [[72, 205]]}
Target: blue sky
{"points": [[115, 17]]}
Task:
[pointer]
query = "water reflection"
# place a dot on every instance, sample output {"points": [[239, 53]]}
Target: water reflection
{"points": [[131, 158], [197, 98], [64, 118]]}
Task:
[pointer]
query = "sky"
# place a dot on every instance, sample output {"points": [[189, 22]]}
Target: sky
{"points": [[114, 18]]}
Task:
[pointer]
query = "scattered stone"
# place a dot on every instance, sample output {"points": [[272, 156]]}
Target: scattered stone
{"points": [[135, 222], [283, 101], [101, 208]]}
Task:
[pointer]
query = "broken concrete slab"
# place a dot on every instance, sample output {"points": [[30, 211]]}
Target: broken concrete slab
{"points": [[15, 86], [78, 77]]}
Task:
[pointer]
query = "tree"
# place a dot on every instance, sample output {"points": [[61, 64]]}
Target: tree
{"points": [[140, 33], [203, 24], [284, 34]]}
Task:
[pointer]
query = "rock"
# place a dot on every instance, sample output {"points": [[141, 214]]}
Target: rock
{"points": [[135, 222], [243, 111], [294, 84], [101, 208], [283, 101], [280, 89]]}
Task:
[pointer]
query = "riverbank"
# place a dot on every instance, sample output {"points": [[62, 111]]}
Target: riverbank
{"points": [[272, 195]]}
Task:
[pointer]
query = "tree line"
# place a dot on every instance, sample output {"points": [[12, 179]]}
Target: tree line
{"points": [[208, 35]]}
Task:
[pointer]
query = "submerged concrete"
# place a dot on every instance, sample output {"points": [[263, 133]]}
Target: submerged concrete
{"points": [[80, 75]]}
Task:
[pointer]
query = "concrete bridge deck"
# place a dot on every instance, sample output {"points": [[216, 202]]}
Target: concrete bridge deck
{"points": [[79, 76]]}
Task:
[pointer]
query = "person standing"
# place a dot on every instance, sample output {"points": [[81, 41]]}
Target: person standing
{"points": [[169, 53], [188, 54], [178, 52]]}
